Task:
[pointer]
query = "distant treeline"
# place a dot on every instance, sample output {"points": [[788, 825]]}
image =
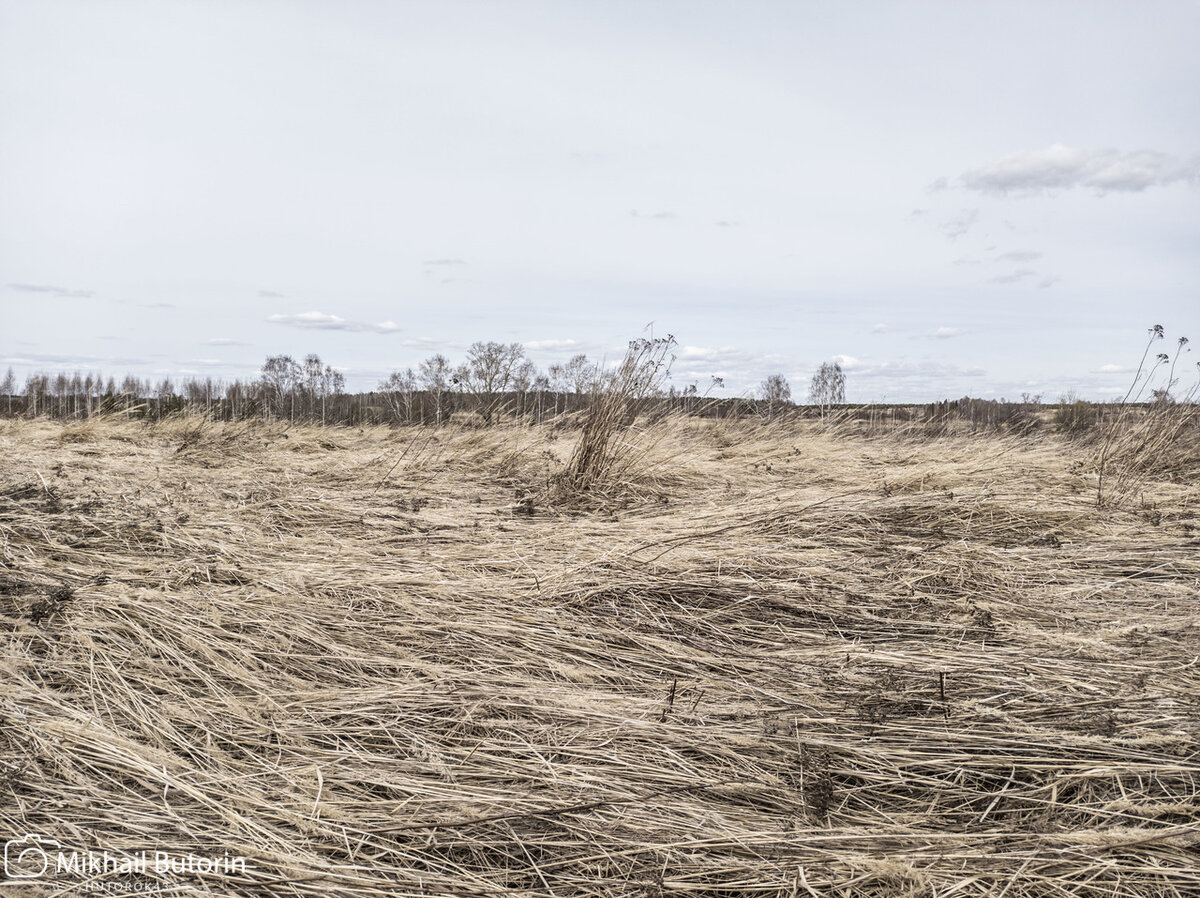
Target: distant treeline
{"points": [[497, 383], [76, 398]]}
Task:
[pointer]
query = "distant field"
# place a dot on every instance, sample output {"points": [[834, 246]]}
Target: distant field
{"points": [[773, 659]]}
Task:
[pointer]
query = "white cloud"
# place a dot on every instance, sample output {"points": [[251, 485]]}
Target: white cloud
{"points": [[1059, 167], [1013, 276], [60, 292], [322, 321], [945, 333], [540, 345], [1022, 255], [54, 361], [925, 370], [224, 341], [699, 363], [848, 362], [880, 328], [959, 224]]}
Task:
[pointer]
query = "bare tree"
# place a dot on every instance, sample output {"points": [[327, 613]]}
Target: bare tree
{"points": [[580, 375], [312, 376], [332, 385], [828, 387], [61, 386], [524, 376], [776, 392], [523, 380], [8, 386], [211, 391], [236, 393], [436, 375], [165, 394], [398, 391], [489, 372], [540, 387], [89, 388], [37, 391], [130, 391], [281, 378], [575, 378]]}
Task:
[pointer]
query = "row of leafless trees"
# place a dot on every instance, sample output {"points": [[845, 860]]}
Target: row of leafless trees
{"points": [[494, 377], [496, 381]]}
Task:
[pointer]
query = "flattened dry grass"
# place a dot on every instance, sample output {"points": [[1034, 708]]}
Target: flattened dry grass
{"points": [[788, 663]]}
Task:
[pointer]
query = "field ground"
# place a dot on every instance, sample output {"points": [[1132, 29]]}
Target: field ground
{"points": [[776, 662]]}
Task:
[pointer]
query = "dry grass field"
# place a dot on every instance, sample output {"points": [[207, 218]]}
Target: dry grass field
{"points": [[774, 660]]}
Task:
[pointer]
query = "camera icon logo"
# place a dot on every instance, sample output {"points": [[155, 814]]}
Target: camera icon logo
{"points": [[28, 857]]}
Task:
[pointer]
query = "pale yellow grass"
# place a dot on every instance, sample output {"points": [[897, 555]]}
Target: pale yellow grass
{"points": [[769, 661]]}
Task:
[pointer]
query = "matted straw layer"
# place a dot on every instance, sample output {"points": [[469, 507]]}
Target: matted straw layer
{"points": [[787, 663]]}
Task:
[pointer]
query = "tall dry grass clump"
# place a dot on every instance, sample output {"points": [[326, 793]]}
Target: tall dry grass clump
{"points": [[1150, 438], [609, 447]]}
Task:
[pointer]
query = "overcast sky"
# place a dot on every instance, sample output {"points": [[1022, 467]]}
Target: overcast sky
{"points": [[950, 198]]}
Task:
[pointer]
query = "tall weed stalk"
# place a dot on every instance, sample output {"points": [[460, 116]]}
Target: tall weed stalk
{"points": [[1152, 438]]}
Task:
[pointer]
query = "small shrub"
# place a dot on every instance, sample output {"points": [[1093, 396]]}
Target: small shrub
{"points": [[1076, 416]]}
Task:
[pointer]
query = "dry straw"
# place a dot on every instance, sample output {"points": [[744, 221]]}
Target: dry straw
{"points": [[612, 448], [808, 664], [1157, 439]]}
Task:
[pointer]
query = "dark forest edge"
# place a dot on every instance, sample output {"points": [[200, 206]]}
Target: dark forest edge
{"points": [[422, 408]]}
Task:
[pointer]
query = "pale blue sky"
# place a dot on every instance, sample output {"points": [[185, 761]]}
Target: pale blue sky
{"points": [[952, 198]]}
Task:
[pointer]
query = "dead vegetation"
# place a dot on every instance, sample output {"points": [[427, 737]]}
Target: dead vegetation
{"points": [[613, 445], [782, 660]]}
